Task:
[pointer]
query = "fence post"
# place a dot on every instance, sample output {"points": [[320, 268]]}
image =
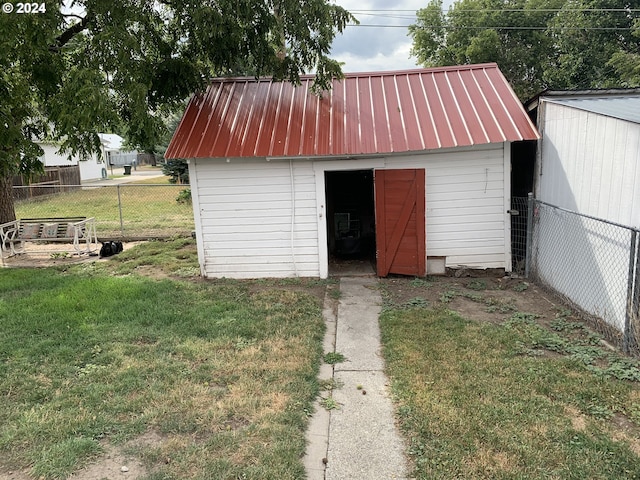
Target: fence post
{"points": [[120, 211], [632, 325], [635, 307], [529, 246], [628, 339]]}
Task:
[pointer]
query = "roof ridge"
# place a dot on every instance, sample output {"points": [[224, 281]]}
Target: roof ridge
{"points": [[380, 73]]}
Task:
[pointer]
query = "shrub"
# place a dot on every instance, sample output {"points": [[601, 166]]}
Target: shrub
{"points": [[177, 170]]}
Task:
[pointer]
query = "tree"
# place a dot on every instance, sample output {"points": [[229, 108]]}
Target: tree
{"points": [[538, 44], [627, 64], [86, 66]]}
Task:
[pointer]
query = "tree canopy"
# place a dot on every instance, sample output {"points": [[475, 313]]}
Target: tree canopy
{"points": [[88, 66], [538, 44]]}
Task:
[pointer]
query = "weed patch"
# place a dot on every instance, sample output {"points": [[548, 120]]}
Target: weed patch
{"points": [[477, 284], [334, 357], [329, 404]]}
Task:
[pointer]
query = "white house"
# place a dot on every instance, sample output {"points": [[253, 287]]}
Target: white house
{"points": [[589, 163], [90, 168], [114, 152], [411, 169]]}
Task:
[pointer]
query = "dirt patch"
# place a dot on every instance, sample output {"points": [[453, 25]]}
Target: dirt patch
{"points": [[152, 272], [39, 255], [489, 299], [578, 420], [627, 432], [114, 463], [6, 474]]}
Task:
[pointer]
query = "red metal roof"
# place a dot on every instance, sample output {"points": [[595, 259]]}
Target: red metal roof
{"points": [[364, 113]]}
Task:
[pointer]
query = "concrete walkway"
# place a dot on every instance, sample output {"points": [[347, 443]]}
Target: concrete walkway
{"points": [[357, 440]]}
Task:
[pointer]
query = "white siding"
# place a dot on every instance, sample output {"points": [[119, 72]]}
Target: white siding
{"points": [[244, 210], [90, 169], [590, 163], [465, 206]]}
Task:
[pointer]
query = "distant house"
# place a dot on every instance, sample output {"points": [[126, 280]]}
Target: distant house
{"points": [[114, 152], [90, 168], [407, 169]]}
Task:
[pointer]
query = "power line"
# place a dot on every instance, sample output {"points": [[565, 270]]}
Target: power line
{"points": [[497, 27], [384, 13], [524, 10]]}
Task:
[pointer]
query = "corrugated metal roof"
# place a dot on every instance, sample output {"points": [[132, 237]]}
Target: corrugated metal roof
{"points": [[625, 107], [364, 113]]}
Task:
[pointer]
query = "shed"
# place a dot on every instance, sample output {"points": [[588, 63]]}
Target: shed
{"points": [[409, 169]]}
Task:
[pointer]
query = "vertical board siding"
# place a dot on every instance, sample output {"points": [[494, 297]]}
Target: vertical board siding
{"points": [[464, 204], [400, 221], [245, 211], [591, 164]]}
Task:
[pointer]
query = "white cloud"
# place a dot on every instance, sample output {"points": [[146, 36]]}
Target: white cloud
{"points": [[369, 49], [377, 61]]}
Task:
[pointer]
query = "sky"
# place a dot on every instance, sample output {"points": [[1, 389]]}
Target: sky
{"points": [[369, 49]]}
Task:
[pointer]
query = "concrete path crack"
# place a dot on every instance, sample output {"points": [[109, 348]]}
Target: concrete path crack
{"points": [[360, 439]]}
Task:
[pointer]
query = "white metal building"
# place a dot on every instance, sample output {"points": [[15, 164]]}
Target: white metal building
{"points": [[589, 160], [589, 163]]}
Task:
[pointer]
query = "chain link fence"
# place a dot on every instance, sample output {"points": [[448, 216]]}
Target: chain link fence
{"points": [[128, 212], [519, 217], [592, 263]]}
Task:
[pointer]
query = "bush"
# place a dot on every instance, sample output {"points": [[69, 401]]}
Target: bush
{"points": [[184, 196]]}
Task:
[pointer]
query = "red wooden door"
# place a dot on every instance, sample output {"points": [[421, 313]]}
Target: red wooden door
{"points": [[400, 222]]}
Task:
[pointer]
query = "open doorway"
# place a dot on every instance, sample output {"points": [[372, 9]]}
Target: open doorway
{"points": [[351, 229]]}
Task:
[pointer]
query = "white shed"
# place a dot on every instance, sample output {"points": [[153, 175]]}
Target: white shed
{"points": [[408, 169]]}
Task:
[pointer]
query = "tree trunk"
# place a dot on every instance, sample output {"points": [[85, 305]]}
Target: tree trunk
{"points": [[7, 211]]}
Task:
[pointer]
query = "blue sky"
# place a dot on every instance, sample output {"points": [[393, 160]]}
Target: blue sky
{"points": [[367, 49]]}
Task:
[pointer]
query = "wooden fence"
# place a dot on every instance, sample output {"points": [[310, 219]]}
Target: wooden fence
{"points": [[54, 180]]}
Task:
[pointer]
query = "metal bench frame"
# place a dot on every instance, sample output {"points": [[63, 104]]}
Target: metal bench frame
{"points": [[80, 231]]}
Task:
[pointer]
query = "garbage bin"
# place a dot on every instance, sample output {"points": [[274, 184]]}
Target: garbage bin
{"points": [[127, 169]]}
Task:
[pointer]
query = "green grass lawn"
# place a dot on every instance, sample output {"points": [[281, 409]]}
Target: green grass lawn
{"points": [[510, 400], [223, 372], [221, 375]]}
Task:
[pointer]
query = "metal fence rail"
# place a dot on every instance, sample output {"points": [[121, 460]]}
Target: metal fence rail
{"points": [[593, 263], [121, 211]]}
